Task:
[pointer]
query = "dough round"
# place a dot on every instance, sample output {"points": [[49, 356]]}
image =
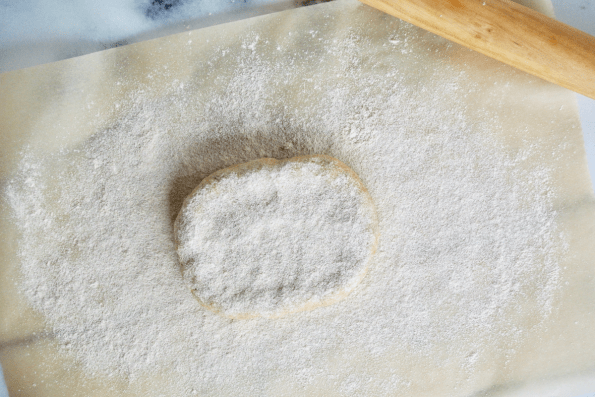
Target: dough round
{"points": [[267, 238]]}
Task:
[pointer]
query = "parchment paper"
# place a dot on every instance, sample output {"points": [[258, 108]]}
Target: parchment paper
{"points": [[61, 105]]}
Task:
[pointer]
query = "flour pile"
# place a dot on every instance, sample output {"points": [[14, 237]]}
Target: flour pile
{"points": [[467, 229], [268, 238]]}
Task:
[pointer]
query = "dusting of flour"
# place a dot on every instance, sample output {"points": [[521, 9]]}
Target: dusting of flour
{"points": [[268, 238], [467, 232]]}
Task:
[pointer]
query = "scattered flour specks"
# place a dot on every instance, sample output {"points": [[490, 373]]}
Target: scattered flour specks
{"points": [[467, 232]]}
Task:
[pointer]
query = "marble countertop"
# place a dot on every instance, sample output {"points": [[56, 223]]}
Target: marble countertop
{"points": [[581, 14]]}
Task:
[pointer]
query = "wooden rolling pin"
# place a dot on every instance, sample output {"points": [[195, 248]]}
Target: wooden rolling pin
{"points": [[508, 32]]}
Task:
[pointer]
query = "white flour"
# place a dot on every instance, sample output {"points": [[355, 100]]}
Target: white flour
{"points": [[268, 238], [467, 232]]}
